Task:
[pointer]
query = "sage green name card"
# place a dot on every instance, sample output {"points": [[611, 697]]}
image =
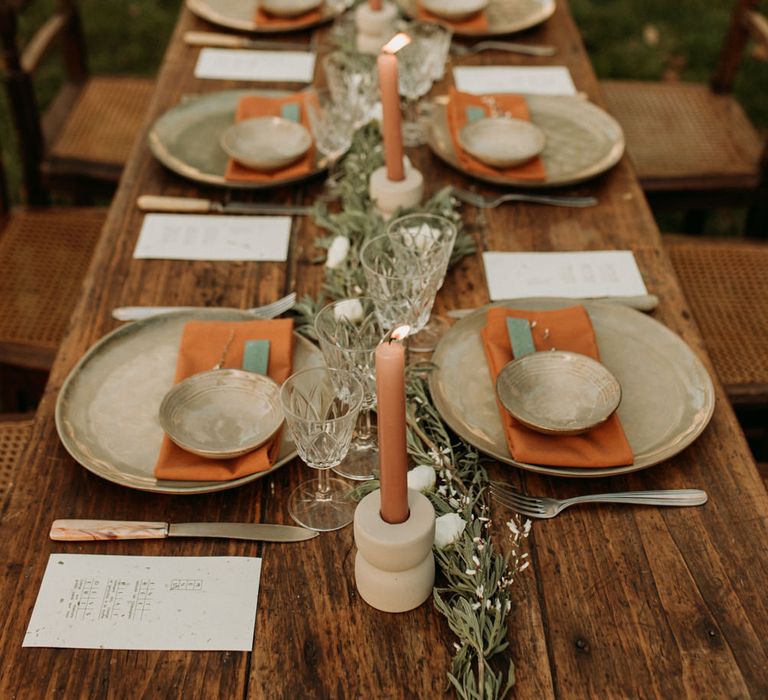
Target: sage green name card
{"points": [[520, 337], [256, 356]]}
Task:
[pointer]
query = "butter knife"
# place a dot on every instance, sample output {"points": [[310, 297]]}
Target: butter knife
{"points": [[641, 302], [79, 530], [232, 41], [193, 205]]}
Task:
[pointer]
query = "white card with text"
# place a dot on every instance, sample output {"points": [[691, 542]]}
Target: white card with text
{"points": [[266, 66], [523, 80], [581, 275], [205, 237], [95, 601]]}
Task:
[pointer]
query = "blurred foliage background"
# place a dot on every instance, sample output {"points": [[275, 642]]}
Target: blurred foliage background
{"points": [[630, 39]]}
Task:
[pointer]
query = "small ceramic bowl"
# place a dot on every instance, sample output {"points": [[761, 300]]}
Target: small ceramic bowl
{"points": [[454, 10], [289, 8], [266, 143], [558, 392], [222, 413], [502, 142]]}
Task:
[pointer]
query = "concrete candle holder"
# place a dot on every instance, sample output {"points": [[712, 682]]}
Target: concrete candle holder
{"points": [[390, 195], [394, 565], [374, 27]]}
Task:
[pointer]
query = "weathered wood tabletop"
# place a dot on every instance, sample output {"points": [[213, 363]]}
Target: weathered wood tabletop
{"points": [[618, 602]]}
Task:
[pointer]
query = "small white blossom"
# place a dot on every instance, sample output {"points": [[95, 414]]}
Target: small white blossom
{"points": [[488, 604], [422, 478], [479, 591], [476, 560], [349, 309], [524, 566], [476, 606], [448, 528], [470, 572], [508, 606], [512, 525], [337, 252], [453, 503]]}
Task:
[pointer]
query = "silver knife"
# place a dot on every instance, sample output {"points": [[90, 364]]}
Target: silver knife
{"points": [[193, 205], [641, 302], [79, 530], [232, 41]]}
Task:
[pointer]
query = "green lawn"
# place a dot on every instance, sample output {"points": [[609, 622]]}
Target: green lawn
{"points": [[642, 39]]}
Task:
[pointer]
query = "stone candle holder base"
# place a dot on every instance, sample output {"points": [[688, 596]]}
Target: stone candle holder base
{"points": [[374, 27], [394, 565], [391, 195]]}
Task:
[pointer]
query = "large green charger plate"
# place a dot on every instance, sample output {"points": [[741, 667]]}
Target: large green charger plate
{"points": [[107, 409], [186, 140], [667, 395]]}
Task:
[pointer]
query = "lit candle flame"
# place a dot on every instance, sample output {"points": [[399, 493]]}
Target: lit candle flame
{"points": [[401, 332], [396, 43]]}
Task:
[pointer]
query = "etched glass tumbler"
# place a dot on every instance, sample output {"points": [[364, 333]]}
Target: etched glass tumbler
{"points": [[321, 407], [349, 332]]}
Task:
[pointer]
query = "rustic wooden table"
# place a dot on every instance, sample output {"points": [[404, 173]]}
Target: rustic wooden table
{"points": [[618, 602]]}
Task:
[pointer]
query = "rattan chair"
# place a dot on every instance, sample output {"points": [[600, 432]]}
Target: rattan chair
{"points": [[726, 284], [44, 255], [79, 146], [14, 436], [692, 145]]}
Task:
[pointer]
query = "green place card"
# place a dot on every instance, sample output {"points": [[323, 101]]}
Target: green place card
{"points": [[475, 113], [520, 337], [256, 356], [291, 111]]}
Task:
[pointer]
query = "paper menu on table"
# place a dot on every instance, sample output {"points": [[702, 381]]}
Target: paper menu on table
{"points": [[524, 80], [206, 237], [583, 274], [267, 66], [120, 602]]}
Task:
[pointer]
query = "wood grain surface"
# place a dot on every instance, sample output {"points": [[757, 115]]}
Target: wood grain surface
{"points": [[620, 602]]}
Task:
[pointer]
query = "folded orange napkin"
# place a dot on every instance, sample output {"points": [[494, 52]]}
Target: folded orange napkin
{"points": [[253, 106], [263, 18], [457, 119], [475, 24], [202, 343], [569, 329]]}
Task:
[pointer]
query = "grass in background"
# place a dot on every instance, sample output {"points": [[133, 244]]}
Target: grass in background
{"points": [[629, 39], [122, 37], [662, 40]]}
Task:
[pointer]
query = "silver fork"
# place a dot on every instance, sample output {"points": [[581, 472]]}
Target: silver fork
{"points": [[542, 507], [477, 200], [528, 49], [136, 313]]}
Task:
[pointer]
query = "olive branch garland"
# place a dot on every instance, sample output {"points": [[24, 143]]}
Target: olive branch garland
{"points": [[475, 598]]}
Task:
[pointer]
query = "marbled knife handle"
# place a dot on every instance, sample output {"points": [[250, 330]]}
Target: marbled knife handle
{"points": [[77, 530], [187, 205]]}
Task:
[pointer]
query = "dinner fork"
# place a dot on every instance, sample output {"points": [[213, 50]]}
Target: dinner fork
{"points": [[542, 507], [460, 50], [136, 313], [477, 200]]}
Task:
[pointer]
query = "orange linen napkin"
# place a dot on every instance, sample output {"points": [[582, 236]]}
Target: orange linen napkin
{"points": [[569, 329], [264, 19], [253, 106], [475, 24], [457, 119], [202, 343]]}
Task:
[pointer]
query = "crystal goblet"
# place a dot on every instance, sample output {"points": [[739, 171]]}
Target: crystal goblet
{"points": [[405, 267], [414, 79], [321, 407], [332, 126], [349, 332], [353, 82]]}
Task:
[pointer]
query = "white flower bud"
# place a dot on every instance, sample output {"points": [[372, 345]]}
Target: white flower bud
{"points": [[349, 309], [448, 529], [422, 478], [337, 252]]}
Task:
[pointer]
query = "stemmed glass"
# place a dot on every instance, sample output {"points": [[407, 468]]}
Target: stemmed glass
{"points": [[349, 332], [414, 73], [437, 37], [405, 267], [321, 407], [353, 82], [332, 126]]}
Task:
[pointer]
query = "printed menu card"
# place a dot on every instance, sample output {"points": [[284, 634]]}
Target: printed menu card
{"points": [[584, 274], [121, 602]]}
